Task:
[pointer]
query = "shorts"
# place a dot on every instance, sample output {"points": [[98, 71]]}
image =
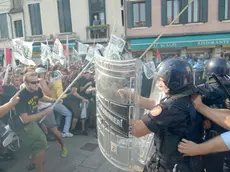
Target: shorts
{"points": [[74, 107], [34, 138], [50, 121]]}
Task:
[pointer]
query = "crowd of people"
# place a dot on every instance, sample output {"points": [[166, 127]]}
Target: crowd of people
{"points": [[192, 120], [38, 89]]}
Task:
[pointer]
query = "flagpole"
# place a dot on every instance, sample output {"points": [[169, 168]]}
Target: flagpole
{"points": [[154, 42], [67, 49]]}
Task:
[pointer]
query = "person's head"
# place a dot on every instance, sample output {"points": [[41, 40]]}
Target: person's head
{"points": [[41, 71], [95, 17], [16, 80], [218, 66], [86, 74], [174, 75], [31, 81]]}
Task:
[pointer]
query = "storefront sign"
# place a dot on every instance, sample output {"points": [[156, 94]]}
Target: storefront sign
{"points": [[186, 41]]}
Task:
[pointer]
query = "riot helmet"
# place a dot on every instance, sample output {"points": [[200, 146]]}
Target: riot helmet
{"points": [[218, 66], [177, 75]]}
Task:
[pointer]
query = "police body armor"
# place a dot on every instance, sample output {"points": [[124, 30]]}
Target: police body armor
{"points": [[167, 157], [215, 97]]}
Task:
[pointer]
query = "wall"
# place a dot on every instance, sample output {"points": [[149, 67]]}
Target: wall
{"points": [[213, 24]]}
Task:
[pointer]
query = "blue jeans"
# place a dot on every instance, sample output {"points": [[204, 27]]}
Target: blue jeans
{"points": [[61, 109]]}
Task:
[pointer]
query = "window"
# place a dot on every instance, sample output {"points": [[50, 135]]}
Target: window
{"points": [[35, 19], [97, 12], [139, 14], [227, 10], [193, 12], [173, 9], [64, 14], [18, 28], [196, 12], [3, 26], [224, 10]]}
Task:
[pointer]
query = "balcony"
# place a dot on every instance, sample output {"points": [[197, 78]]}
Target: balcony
{"points": [[101, 32]]}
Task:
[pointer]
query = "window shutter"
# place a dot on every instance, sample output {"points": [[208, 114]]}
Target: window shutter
{"points": [[35, 19], [203, 4], [221, 10], [3, 26], [164, 20], [184, 17], [67, 15], [129, 14], [148, 12]]}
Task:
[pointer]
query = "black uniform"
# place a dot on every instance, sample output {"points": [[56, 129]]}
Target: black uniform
{"points": [[173, 119], [214, 96]]}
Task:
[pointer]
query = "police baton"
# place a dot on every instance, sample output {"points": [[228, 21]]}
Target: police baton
{"points": [[221, 84]]}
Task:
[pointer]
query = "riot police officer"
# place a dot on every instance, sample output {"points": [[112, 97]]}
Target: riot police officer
{"points": [[172, 119], [214, 96]]}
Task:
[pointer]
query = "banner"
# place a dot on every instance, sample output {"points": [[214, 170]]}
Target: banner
{"points": [[75, 55], [82, 48], [46, 54], [116, 44], [23, 51], [58, 50], [90, 53]]}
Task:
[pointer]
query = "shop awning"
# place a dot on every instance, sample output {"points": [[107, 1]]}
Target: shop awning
{"points": [[181, 41], [37, 47]]}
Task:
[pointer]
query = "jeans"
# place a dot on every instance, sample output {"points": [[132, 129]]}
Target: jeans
{"points": [[60, 108]]}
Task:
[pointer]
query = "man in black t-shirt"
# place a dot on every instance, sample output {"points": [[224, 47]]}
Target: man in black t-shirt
{"points": [[31, 134], [79, 90]]}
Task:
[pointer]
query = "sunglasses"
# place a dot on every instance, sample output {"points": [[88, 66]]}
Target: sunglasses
{"points": [[34, 82]]}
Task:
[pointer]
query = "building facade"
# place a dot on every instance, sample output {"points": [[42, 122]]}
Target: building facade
{"points": [[202, 30], [41, 20]]}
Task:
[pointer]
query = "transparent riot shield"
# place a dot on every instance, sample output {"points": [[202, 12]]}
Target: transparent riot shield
{"points": [[115, 114]]}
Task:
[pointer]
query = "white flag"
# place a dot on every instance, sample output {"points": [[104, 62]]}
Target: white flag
{"points": [[76, 55], [116, 43], [149, 70], [23, 51], [46, 54], [90, 53], [58, 50], [82, 48]]}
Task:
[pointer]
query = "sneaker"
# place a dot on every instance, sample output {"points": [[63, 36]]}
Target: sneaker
{"points": [[67, 135], [64, 152]]}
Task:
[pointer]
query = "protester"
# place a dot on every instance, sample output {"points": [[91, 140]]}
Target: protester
{"points": [[30, 133], [55, 91]]}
